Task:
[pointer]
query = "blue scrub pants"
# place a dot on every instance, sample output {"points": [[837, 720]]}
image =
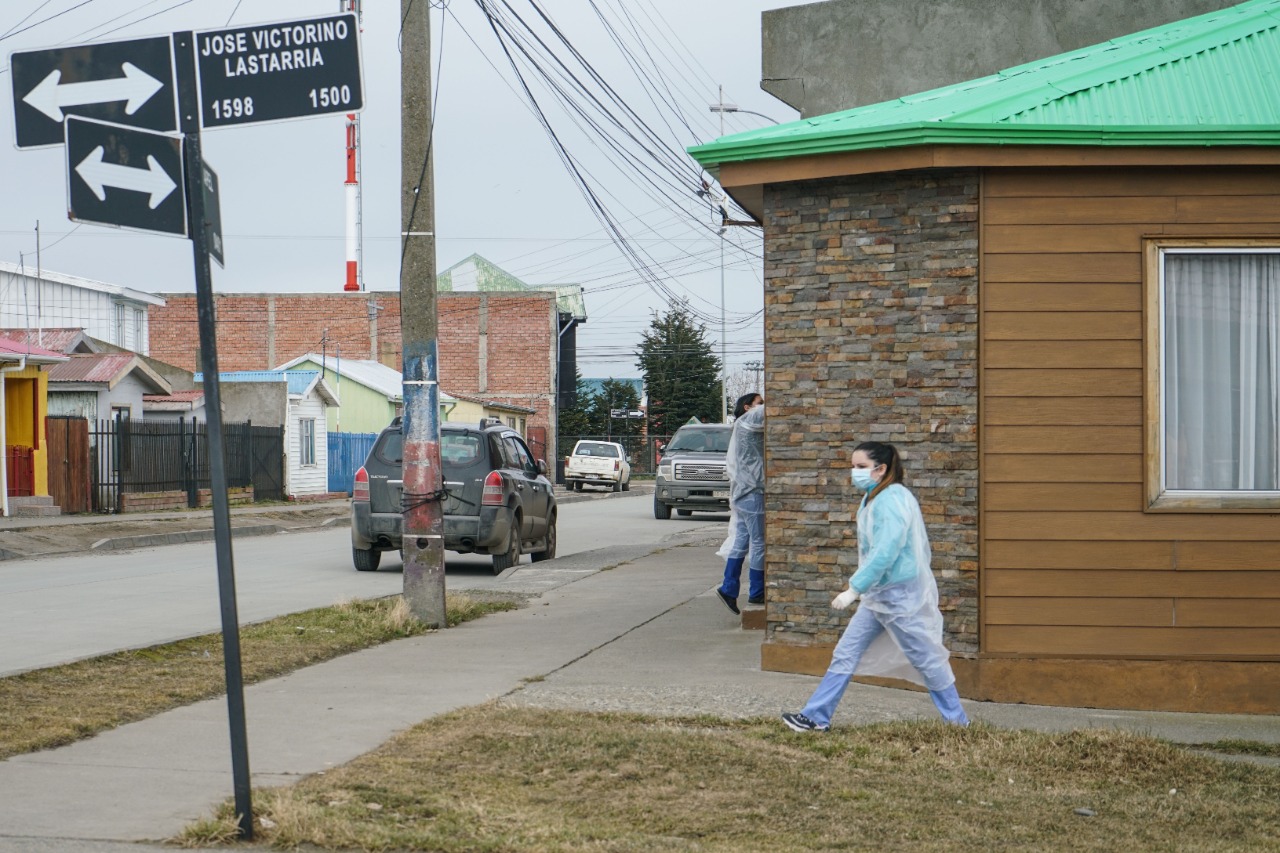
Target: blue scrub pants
{"points": [[864, 627], [748, 539]]}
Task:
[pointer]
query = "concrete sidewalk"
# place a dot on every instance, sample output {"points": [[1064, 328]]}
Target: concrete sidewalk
{"points": [[645, 635]]}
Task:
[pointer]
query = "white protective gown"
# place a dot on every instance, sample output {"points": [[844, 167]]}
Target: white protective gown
{"points": [[910, 605]]}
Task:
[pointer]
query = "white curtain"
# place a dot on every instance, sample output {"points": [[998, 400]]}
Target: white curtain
{"points": [[1221, 364]]}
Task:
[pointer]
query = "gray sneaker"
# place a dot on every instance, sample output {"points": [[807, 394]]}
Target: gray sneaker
{"points": [[801, 723]]}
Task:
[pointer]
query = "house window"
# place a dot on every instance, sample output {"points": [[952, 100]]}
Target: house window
{"points": [[307, 441], [120, 324], [1215, 393], [138, 317]]}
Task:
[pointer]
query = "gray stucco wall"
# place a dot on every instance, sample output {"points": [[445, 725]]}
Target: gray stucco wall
{"points": [[825, 57], [263, 403]]}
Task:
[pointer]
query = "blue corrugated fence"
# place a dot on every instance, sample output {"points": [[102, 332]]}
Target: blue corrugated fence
{"points": [[347, 452]]}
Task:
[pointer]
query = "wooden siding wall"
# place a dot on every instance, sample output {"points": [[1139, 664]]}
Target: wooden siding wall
{"points": [[1071, 565]]}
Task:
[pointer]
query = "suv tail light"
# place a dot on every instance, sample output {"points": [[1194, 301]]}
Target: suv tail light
{"points": [[616, 465], [492, 490], [360, 489]]}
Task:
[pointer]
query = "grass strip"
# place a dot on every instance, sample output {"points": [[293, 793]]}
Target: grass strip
{"points": [[1233, 746], [496, 778], [52, 707]]}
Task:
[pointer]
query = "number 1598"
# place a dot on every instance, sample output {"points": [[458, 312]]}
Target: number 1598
{"points": [[232, 108]]}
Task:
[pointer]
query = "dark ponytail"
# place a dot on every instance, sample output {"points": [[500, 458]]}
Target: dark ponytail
{"points": [[740, 408], [882, 453]]}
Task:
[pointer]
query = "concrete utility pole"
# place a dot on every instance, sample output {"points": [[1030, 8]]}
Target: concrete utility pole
{"points": [[423, 483]]}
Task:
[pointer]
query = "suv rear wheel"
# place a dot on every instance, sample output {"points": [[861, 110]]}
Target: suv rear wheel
{"points": [[366, 560], [660, 510], [508, 558], [549, 553]]}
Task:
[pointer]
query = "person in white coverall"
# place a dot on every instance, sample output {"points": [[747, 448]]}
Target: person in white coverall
{"points": [[744, 466], [898, 591]]}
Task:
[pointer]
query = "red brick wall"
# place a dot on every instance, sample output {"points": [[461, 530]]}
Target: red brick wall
{"points": [[258, 331]]}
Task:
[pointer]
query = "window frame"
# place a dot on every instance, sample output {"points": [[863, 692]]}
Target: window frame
{"points": [[121, 324], [307, 442], [1158, 497]]}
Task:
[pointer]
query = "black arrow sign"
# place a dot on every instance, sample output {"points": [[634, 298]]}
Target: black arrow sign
{"points": [[125, 176], [126, 82]]}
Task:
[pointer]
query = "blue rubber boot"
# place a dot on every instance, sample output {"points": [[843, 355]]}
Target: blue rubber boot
{"points": [[755, 587], [732, 576]]}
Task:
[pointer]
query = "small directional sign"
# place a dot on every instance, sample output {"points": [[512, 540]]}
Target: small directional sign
{"points": [[125, 176], [212, 212], [126, 82], [272, 72]]}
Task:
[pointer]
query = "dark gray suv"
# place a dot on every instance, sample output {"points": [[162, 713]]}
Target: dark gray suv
{"points": [[499, 499]]}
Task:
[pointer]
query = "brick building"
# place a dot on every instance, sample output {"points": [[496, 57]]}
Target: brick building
{"points": [[1054, 289], [502, 346]]}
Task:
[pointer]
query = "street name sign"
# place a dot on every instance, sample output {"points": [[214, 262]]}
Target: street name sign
{"points": [[124, 176], [126, 82], [273, 72]]}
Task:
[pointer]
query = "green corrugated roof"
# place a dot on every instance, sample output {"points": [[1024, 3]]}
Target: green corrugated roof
{"points": [[1208, 80], [475, 273]]}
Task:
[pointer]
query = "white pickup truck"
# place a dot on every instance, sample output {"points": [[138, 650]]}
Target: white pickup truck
{"points": [[598, 463]]}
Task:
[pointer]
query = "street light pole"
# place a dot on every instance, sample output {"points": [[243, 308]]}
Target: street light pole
{"points": [[724, 364], [721, 107]]}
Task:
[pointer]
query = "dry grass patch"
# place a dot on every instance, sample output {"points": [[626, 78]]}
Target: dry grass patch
{"points": [[52, 707], [1233, 746], [508, 779]]}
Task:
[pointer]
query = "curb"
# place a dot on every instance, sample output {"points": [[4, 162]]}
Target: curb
{"points": [[153, 539]]}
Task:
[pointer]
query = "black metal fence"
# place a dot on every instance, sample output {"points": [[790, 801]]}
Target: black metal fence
{"points": [[129, 457]]}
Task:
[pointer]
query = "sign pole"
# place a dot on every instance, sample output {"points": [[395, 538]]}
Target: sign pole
{"points": [[188, 112]]}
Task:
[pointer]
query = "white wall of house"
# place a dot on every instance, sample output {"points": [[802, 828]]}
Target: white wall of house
{"points": [[76, 404], [73, 398], [109, 312], [313, 478]]}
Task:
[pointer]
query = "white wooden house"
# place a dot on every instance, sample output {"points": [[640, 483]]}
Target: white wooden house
{"points": [[108, 312]]}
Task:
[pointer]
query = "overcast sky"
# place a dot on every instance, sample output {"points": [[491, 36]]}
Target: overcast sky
{"points": [[501, 190]]}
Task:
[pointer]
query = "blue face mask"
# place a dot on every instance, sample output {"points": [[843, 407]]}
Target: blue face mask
{"points": [[862, 478]]}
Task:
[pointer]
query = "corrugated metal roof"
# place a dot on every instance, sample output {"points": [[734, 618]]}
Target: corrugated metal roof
{"points": [[86, 283], [105, 367], [477, 274], [12, 350], [299, 381], [58, 340], [245, 376], [494, 404], [178, 401], [1208, 80]]}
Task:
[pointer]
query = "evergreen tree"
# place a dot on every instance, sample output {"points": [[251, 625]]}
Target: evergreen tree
{"points": [[681, 371], [614, 394], [574, 420]]}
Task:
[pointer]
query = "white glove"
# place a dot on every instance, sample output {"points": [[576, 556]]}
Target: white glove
{"points": [[844, 600]]}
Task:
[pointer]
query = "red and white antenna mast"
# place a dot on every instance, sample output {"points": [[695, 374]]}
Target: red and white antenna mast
{"points": [[355, 241]]}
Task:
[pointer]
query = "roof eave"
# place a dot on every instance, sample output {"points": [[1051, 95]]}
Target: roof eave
{"points": [[944, 133]]}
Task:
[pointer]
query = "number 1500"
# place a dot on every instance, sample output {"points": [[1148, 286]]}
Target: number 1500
{"points": [[333, 96]]}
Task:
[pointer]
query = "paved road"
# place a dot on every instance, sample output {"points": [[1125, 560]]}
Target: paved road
{"points": [[63, 609]]}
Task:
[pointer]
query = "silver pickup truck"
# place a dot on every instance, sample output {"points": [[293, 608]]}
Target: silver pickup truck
{"points": [[691, 473]]}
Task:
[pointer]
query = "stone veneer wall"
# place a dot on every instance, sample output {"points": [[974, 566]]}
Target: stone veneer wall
{"points": [[871, 328]]}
